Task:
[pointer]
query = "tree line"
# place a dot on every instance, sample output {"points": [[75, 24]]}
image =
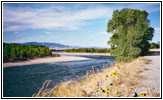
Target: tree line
{"points": [[154, 45], [87, 50], [17, 51]]}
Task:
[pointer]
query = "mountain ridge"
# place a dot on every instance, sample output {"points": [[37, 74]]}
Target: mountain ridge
{"points": [[56, 46]]}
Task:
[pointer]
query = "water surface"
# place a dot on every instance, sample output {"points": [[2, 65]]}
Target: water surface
{"points": [[23, 81]]}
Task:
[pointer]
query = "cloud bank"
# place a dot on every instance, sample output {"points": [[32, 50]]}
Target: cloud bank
{"points": [[59, 17]]}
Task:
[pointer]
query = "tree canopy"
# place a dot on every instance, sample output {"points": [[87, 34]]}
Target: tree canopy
{"points": [[16, 51], [131, 34]]}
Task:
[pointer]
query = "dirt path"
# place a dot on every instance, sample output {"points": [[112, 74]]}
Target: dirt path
{"points": [[151, 73]]}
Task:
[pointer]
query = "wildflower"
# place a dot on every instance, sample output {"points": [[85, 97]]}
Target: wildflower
{"points": [[131, 88], [114, 74], [107, 90], [102, 90], [158, 95], [152, 90], [111, 83], [143, 94], [107, 76], [135, 95], [96, 91], [116, 91]]}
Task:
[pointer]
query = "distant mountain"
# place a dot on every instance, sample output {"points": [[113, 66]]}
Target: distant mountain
{"points": [[50, 45], [46, 44], [56, 46]]}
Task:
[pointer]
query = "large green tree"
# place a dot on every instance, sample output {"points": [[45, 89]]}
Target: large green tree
{"points": [[131, 34]]}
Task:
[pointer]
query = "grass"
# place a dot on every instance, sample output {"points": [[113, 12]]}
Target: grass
{"points": [[119, 80]]}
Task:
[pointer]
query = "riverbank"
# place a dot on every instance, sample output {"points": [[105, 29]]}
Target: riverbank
{"points": [[44, 60], [135, 79]]}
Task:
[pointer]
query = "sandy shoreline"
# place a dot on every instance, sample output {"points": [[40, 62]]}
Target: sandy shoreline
{"points": [[44, 60]]}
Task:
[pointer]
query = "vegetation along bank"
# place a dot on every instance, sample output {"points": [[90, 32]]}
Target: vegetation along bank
{"points": [[15, 51]]}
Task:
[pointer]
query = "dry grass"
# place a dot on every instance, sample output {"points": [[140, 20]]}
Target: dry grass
{"points": [[44, 92], [117, 81]]}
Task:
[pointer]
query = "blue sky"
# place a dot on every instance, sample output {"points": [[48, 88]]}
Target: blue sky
{"points": [[75, 24]]}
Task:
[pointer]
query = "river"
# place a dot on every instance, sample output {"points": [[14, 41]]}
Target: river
{"points": [[23, 81]]}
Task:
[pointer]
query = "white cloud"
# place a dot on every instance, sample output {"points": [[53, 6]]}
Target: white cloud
{"points": [[57, 17], [157, 32], [16, 32], [48, 32], [149, 7], [157, 29], [49, 18]]}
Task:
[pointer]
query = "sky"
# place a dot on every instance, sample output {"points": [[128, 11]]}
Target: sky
{"points": [[74, 24]]}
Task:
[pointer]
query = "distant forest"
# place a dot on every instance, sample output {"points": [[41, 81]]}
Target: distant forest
{"points": [[99, 50], [87, 50], [15, 51], [155, 45]]}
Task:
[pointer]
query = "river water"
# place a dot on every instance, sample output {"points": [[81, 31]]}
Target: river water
{"points": [[23, 81]]}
